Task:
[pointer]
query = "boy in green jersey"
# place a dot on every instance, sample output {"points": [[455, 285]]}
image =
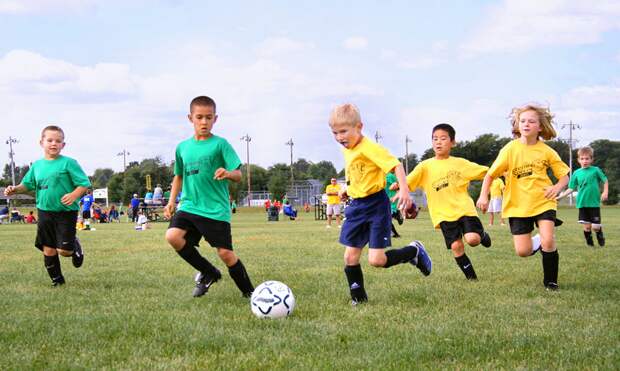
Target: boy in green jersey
{"points": [[588, 181], [59, 182], [203, 166]]}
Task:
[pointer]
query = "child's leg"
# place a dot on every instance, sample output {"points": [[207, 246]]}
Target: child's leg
{"points": [[550, 256], [491, 217], [587, 233], [600, 238], [394, 232], [189, 253], [354, 274], [458, 250], [52, 265], [237, 271], [523, 244]]}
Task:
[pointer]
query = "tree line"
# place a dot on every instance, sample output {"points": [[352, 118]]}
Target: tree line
{"points": [[276, 178]]}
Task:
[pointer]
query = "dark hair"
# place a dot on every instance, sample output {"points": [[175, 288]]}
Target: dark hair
{"points": [[52, 128], [202, 100], [447, 128]]}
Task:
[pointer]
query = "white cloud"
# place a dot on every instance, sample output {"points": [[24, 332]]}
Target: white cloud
{"points": [[355, 43], [40, 6], [592, 96], [281, 45], [519, 25]]}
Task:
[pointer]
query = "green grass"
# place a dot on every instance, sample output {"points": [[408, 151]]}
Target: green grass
{"points": [[130, 305]]}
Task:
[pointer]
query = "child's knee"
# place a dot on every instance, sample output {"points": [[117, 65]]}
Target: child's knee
{"points": [[457, 248], [472, 239], [227, 256], [376, 261], [175, 239], [65, 252]]}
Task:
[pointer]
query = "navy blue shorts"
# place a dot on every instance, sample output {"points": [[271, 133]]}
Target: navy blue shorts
{"points": [[368, 221]]}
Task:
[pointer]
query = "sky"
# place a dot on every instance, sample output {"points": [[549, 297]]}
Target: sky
{"points": [[119, 75]]}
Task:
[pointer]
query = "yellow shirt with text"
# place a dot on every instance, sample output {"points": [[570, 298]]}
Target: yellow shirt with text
{"points": [[497, 187], [527, 165], [332, 200], [445, 183], [366, 165]]}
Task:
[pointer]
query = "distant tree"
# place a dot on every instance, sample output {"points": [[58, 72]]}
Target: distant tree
{"points": [[607, 157], [279, 180], [322, 170], [300, 168], [412, 161], [101, 177]]}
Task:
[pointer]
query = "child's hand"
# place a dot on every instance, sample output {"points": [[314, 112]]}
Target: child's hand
{"points": [[603, 196], [343, 194], [9, 190], [552, 192], [169, 210], [68, 199], [483, 204], [394, 186], [404, 200], [221, 174]]}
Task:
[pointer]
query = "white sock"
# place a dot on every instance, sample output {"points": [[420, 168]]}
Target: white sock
{"points": [[535, 243]]}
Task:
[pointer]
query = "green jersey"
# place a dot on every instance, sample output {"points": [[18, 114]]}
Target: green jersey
{"points": [[53, 179], [587, 182], [390, 179], [196, 162]]}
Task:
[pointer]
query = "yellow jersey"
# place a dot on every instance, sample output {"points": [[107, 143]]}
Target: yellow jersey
{"points": [[497, 187], [332, 200], [366, 165], [445, 183], [527, 165]]}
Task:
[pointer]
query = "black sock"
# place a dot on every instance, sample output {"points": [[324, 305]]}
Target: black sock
{"points": [[191, 255], [600, 238], [399, 256], [468, 269], [394, 232], [241, 278], [551, 262], [355, 277], [52, 264], [588, 236]]}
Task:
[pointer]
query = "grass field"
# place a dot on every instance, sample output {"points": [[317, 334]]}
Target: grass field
{"points": [[130, 305]]}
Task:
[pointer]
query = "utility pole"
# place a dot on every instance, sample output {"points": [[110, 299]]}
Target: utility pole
{"points": [[407, 141], [125, 153], [10, 142], [571, 127], [248, 139], [377, 136], [291, 144]]}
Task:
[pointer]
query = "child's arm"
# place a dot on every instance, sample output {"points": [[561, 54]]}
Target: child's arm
{"points": [[565, 193], [605, 191], [15, 189], [70, 198], [404, 200], [221, 174], [552, 192], [483, 200], [177, 184]]}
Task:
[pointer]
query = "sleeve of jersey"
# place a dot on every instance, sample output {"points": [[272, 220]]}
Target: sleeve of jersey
{"points": [[415, 177], [178, 163], [500, 165], [602, 175], [28, 181], [78, 177], [383, 158], [231, 160], [473, 171], [558, 166], [572, 183]]}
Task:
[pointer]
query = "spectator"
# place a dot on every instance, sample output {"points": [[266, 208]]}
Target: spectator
{"points": [[135, 205], [148, 198], [4, 214], [30, 218], [113, 214], [16, 216], [158, 195], [289, 210]]}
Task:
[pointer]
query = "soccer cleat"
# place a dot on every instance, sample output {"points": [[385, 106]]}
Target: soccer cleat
{"points": [[203, 283], [422, 261], [58, 281], [600, 238], [552, 286], [395, 235], [78, 254], [399, 217], [356, 302], [485, 239], [247, 294]]}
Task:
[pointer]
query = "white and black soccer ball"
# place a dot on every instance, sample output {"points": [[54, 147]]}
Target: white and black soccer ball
{"points": [[272, 299]]}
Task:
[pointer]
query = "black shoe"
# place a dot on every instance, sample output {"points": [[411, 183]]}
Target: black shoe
{"points": [[247, 294], [485, 239], [600, 238], [399, 217], [552, 286], [78, 255], [204, 282], [396, 235], [58, 281], [590, 242]]}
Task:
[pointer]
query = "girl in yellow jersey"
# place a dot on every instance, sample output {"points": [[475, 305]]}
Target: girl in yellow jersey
{"points": [[530, 196]]}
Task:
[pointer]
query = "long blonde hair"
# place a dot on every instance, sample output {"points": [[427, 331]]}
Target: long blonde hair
{"points": [[545, 117]]}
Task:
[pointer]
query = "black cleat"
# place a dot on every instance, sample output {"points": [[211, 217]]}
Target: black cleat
{"points": [[204, 282], [78, 254], [485, 239], [552, 286], [58, 281], [600, 238]]}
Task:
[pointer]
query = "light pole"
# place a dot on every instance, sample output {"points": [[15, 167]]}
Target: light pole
{"points": [[10, 142], [124, 153], [377, 136], [571, 127], [291, 144], [407, 141], [248, 139]]}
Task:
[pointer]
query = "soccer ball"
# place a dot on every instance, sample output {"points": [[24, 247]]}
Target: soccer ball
{"points": [[272, 299], [412, 211]]}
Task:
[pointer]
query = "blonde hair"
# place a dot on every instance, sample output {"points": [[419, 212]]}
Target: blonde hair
{"points": [[52, 128], [347, 114], [545, 117], [587, 150]]}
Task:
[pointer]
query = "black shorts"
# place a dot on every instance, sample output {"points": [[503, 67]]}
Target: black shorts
{"points": [[526, 225], [215, 232], [86, 214], [56, 229], [454, 231], [590, 215]]}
